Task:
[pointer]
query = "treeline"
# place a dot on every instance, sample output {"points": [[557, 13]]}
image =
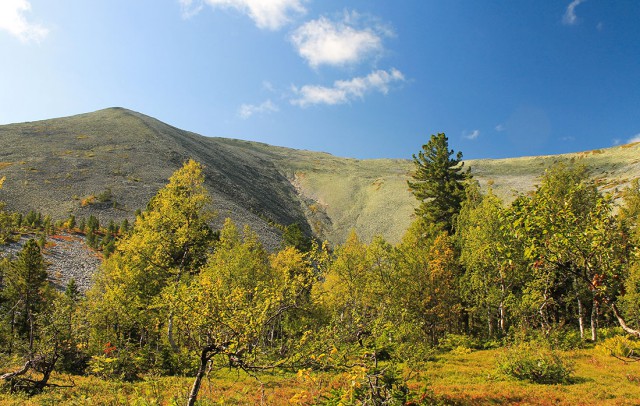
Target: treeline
{"points": [[176, 297]]}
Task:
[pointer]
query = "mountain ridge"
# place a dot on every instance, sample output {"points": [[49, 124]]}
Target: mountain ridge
{"points": [[57, 165]]}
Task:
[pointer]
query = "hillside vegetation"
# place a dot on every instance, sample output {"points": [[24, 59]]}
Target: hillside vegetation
{"points": [[111, 162], [491, 302]]}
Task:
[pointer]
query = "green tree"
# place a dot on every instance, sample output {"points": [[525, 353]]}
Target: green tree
{"points": [[237, 306], [169, 244], [574, 245], [293, 236], [438, 182], [492, 261], [630, 210], [25, 286], [6, 222]]}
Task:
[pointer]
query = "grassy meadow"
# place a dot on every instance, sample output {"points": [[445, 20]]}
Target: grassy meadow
{"points": [[461, 377]]}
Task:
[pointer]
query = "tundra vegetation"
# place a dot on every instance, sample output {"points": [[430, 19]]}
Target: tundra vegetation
{"points": [[544, 290]]}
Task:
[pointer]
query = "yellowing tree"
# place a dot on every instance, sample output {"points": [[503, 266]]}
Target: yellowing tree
{"points": [[169, 243], [237, 306]]}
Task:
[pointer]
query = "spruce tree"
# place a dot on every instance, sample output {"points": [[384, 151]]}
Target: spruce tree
{"points": [[438, 182], [26, 279]]}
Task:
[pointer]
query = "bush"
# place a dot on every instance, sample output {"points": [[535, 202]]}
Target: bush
{"points": [[619, 346], [534, 363], [565, 339], [459, 343], [114, 363]]}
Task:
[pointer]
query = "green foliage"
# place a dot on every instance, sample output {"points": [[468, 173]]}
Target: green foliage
{"points": [[438, 182], [294, 237], [630, 210], [492, 260], [620, 346], [452, 342], [25, 288], [169, 243], [116, 363], [535, 363]]}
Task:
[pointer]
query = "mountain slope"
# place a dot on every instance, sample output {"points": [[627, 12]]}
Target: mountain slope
{"points": [[55, 166]]}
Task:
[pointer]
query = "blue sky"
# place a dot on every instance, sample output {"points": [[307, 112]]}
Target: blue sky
{"points": [[356, 78]]}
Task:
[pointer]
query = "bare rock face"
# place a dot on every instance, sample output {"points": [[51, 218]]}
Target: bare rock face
{"points": [[67, 257]]}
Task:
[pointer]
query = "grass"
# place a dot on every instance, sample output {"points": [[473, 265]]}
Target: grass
{"points": [[455, 378]]}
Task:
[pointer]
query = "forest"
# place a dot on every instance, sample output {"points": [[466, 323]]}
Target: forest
{"points": [[556, 269]]}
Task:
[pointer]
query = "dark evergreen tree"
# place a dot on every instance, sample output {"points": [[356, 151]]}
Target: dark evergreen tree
{"points": [[293, 236], [439, 182], [124, 227], [26, 279], [93, 224]]}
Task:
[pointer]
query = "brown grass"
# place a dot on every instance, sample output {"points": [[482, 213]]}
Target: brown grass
{"points": [[460, 379]]}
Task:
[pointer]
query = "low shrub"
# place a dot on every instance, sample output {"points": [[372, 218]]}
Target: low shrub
{"points": [[535, 363], [619, 346], [115, 363], [459, 342]]}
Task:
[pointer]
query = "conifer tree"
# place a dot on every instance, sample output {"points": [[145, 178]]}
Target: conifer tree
{"points": [[26, 278], [438, 182]]}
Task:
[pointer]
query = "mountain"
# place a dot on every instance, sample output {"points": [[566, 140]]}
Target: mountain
{"points": [[111, 162]]}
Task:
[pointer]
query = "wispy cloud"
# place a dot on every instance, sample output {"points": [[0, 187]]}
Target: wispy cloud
{"points": [[267, 14], [13, 21], [337, 43], [500, 128], [247, 110], [570, 17], [568, 138], [471, 135], [635, 138], [344, 91]]}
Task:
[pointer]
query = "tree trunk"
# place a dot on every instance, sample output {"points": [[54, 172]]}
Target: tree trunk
{"points": [[207, 353], [502, 318], [581, 318], [172, 342], [503, 312], [622, 323], [204, 359], [594, 320]]}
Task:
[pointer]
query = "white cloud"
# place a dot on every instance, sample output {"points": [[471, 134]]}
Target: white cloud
{"points": [[343, 91], [337, 43], [570, 17], [568, 138], [500, 128], [247, 110], [267, 14], [12, 20], [471, 135], [635, 138]]}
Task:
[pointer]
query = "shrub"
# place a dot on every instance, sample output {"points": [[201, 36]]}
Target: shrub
{"points": [[114, 363], [565, 339], [459, 343], [619, 346], [534, 363]]}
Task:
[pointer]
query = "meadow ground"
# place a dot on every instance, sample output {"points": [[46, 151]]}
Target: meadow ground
{"points": [[456, 378]]}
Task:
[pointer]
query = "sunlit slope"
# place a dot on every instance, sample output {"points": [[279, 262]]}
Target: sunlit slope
{"points": [[341, 194], [611, 168], [372, 197]]}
